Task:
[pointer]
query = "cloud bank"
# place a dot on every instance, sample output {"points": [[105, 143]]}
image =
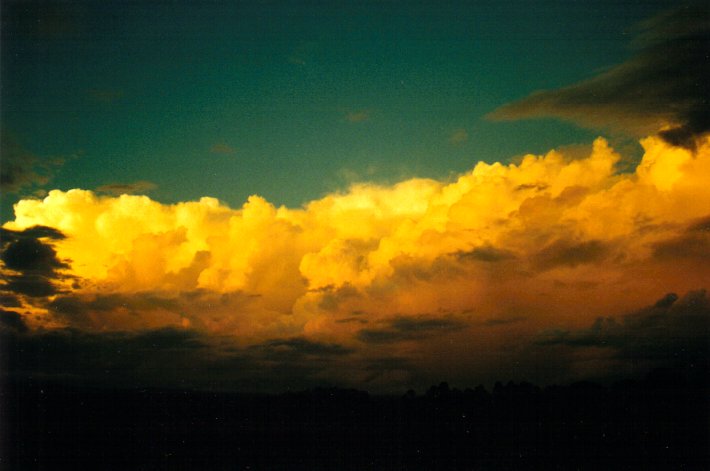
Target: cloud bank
{"points": [[379, 285]]}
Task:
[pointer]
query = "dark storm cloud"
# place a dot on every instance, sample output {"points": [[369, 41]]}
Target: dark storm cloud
{"points": [[674, 330], [147, 309], [101, 310], [410, 328], [485, 254], [503, 321], [30, 263], [348, 320], [12, 320], [9, 300], [35, 286], [149, 357], [31, 255], [333, 297], [299, 347], [20, 168], [168, 357], [664, 84], [693, 243], [570, 253], [34, 232]]}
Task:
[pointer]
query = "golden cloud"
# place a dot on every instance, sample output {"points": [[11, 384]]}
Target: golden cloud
{"points": [[551, 240]]}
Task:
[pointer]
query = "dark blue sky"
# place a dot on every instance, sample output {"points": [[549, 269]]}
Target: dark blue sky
{"points": [[288, 100]]}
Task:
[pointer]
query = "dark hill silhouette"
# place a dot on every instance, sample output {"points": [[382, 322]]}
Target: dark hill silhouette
{"points": [[661, 422]]}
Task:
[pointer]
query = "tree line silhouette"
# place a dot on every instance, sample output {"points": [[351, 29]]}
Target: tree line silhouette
{"points": [[660, 422]]}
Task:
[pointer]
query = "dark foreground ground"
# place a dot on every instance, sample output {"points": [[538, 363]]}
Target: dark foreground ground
{"points": [[659, 423]]}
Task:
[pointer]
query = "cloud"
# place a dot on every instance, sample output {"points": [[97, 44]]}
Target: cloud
{"points": [[10, 300], [409, 328], [692, 243], [485, 254], [300, 347], [12, 320], [503, 321], [29, 254], [30, 265], [222, 148], [166, 357], [491, 257], [358, 116], [117, 189], [459, 136], [151, 358], [22, 170], [672, 332], [660, 89], [570, 253]]}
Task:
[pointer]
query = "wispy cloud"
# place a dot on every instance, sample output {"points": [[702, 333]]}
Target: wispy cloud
{"points": [[458, 137], [358, 116], [22, 170], [141, 186], [222, 148]]}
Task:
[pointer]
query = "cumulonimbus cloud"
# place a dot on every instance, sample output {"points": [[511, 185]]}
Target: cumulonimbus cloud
{"points": [[420, 270]]}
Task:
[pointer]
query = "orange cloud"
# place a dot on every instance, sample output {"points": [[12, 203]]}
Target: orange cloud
{"points": [[515, 249], [358, 116], [222, 148], [459, 136]]}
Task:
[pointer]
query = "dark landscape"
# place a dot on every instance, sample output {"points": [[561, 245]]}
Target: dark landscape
{"points": [[660, 422]]}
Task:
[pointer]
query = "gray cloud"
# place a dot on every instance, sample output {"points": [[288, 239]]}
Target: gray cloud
{"points": [[299, 347], [410, 328], [503, 321], [21, 169], [157, 357], [9, 300], [172, 357], [30, 264], [663, 84], [12, 320], [672, 332], [485, 253], [692, 243], [127, 188], [570, 253], [333, 297], [358, 116], [222, 148], [80, 309]]}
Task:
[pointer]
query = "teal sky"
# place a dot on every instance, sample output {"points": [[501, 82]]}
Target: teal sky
{"points": [[289, 100]]}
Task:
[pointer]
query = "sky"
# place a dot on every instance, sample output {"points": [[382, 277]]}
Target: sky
{"points": [[262, 196]]}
